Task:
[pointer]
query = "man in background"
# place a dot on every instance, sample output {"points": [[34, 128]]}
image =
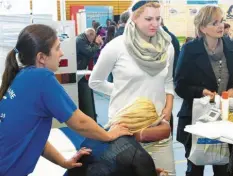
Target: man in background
{"points": [[227, 28], [123, 20], [108, 23], [93, 23], [87, 46]]}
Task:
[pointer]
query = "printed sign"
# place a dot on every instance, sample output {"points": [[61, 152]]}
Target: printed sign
{"points": [[99, 14]]}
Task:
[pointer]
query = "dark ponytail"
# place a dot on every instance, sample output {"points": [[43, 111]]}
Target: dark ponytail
{"points": [[31, 40], [11, 70]]}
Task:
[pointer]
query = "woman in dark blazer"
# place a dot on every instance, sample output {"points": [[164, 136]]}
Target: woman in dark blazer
{"points": [[205, 67]]}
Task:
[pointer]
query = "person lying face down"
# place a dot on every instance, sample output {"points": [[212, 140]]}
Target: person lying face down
{"points": [[122, 157]]}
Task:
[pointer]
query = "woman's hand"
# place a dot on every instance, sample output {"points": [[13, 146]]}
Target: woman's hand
{"points": [[167, 112], [118, 130], [207, 92], [72, 162], [161, 172], [230, 92], [99, 40]]}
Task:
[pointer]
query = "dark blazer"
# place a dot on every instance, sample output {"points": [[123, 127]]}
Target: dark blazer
{"points": [[176, 45], [194, 72], [119, 31]]}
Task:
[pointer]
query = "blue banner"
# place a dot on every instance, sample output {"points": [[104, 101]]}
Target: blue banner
{"points": [[191, 2], [99, 14]]}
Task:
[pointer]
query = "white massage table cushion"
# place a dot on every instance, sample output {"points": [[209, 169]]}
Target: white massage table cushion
{"points": [[60, 141]]}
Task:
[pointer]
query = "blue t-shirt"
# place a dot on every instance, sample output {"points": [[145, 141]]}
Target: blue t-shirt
{"points": [[26, 111]]}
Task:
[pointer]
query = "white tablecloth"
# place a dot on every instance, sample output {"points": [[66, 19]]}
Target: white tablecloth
{"points": [[220, 130]]}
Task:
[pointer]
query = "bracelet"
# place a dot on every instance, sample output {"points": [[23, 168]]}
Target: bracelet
{"points": [[166, 121], [141, 134]]}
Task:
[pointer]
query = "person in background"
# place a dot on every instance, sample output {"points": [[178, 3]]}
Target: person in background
{"points": [[176, 46], [204, 68], [109, 37], [227, 28], [108, 23], [175, 43], [110, 34], [123, 20], [118, 24], [96, 25], [87, 46], [100, 30], [93, 23], [30, 96], [188, 39], [113, 23], [141, 61]]}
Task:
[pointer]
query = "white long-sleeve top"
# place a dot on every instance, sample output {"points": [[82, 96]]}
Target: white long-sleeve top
{"points": [[130, 82]]}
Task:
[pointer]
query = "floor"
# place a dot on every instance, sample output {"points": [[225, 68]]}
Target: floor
{"points": [[101, 104]]}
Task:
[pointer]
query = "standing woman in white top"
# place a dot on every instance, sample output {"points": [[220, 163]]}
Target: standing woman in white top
{"points": [[141, 61]]}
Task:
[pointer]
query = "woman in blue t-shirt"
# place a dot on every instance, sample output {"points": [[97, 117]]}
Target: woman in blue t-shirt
{"points": [[30, 96]]}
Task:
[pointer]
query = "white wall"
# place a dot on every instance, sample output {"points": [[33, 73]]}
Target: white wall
{"points": [[10, 7], [15, 7], [10, 27], [45, 7]]}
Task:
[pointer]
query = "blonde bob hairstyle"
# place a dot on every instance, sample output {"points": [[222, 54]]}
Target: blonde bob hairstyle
{"points": [[141, 9], [206, 16]]}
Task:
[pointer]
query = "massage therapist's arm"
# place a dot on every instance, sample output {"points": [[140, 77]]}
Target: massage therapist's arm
{"points": [[51, 154], [87, 127]]}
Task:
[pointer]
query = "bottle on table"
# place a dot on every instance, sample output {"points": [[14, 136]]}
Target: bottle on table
{"points": [[225, 105]]}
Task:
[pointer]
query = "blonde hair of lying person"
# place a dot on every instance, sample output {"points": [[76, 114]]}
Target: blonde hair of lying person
{"points": [[141, 61]]}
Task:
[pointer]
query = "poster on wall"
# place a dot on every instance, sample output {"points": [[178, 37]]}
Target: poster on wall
{"points": [[74, 10], [99, 14], [175, 19], [10, 27], [192, 2], [192, 11], [228, 11], [14, 7]]}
